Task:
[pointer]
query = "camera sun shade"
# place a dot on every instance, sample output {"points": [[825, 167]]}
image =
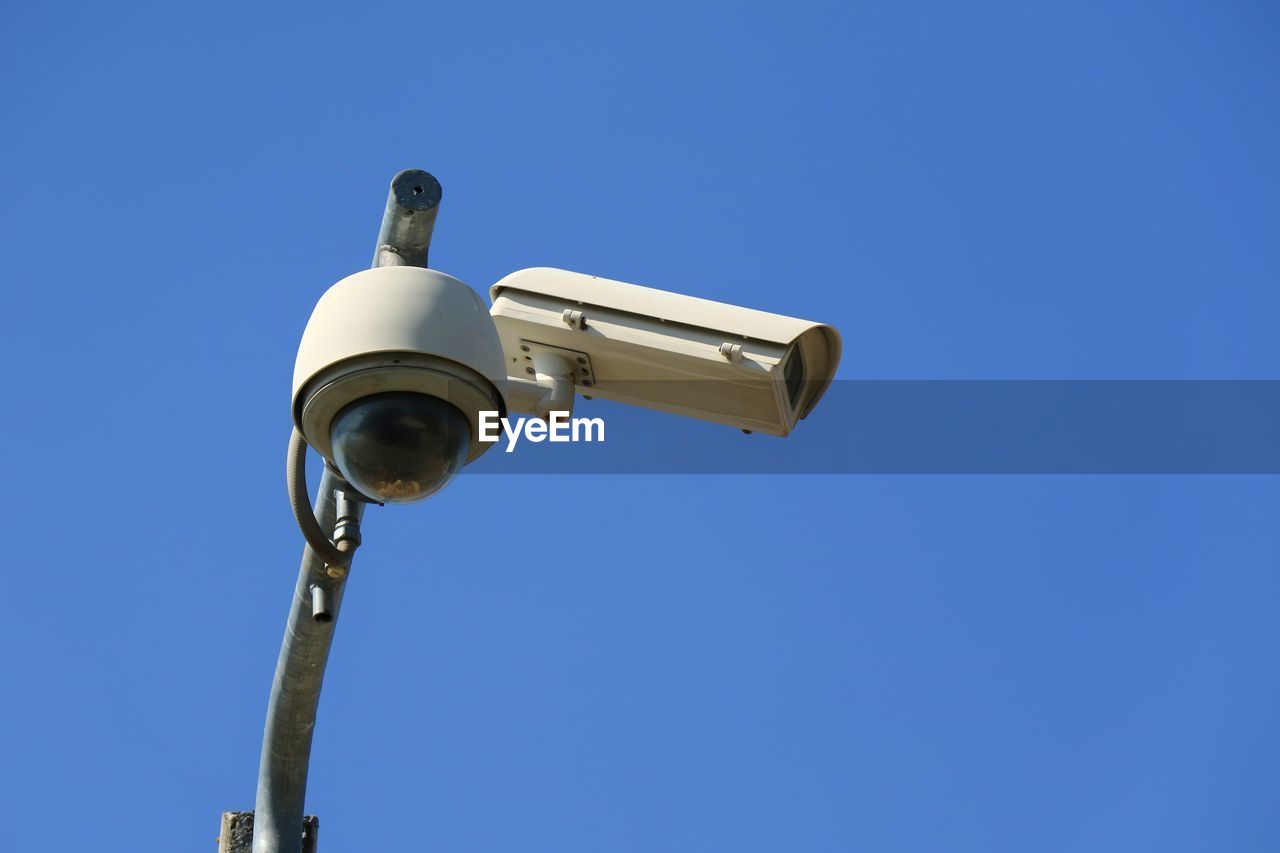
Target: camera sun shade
{"points": [[646, 347]]}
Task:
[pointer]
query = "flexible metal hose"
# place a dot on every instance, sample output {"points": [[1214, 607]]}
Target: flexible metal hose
{"points": [[296, 479]]}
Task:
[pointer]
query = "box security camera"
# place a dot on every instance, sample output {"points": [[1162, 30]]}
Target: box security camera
{"points": [[680, 354]]}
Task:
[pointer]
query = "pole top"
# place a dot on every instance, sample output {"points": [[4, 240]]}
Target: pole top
{"points": [[415, 190], [409, 220]]}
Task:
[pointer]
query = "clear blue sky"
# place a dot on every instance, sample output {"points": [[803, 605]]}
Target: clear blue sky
{"points": [[968, 190]]}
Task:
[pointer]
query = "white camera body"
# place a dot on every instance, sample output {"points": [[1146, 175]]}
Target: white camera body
{"points": [[641, 346], [551, 333], [397, 328]]}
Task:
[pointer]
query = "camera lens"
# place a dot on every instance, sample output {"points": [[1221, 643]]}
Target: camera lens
{"points": [[400, 447]]}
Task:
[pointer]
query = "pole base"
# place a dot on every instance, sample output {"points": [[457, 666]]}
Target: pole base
{"points": [[236, 835]]}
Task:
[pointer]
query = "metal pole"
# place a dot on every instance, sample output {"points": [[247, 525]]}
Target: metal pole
{"points": [[295, 694], [403, 240], [408, 221]]}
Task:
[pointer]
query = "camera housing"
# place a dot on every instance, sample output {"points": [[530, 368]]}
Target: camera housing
{"points": [[749, 369], [397, 329]]}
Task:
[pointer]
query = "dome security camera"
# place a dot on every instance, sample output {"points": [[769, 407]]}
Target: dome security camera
{"points": [[394, 367]]}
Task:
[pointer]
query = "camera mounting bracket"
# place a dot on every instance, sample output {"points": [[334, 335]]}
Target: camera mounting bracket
{"points": [[551, 376]]}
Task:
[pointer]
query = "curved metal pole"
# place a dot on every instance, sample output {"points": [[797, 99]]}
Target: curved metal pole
{"points": [[403, 240], [295, 694]]}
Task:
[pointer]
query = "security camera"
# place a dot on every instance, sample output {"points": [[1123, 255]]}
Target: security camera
{"points": [[399, 368], [645, 347], [398, 363], [395, 367]]}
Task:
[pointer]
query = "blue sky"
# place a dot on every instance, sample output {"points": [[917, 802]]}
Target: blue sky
{"points": [[588, 663]]}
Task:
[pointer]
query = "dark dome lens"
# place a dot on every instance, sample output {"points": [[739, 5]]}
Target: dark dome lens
{"points": [[400, 446]]}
